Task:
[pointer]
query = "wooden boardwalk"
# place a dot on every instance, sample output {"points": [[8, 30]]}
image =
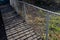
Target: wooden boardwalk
{"points": [[15, 28]]}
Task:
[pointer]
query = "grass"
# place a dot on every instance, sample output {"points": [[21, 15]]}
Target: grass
{"points": [[54, 26]]}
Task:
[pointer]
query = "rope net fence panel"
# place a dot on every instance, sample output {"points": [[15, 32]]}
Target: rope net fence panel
{"points": [[37, 19], [54, 27]]}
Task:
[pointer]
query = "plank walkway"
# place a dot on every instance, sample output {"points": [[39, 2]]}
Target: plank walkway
{"points": [[15, 28]]}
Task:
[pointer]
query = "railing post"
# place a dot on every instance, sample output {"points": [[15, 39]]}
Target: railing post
{"points": [[47, 25], [24, 11]]}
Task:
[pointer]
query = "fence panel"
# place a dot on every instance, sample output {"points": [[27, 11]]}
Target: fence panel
{"points": [[37, 19], [45, 23], [54, 27]]}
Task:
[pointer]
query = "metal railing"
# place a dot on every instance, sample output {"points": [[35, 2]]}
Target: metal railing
{"points": [[43, 21]]}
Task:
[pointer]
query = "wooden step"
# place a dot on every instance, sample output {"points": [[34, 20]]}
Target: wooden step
{"points": [[9, 14]]}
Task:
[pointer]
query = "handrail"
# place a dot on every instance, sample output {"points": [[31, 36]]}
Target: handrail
{"points": [[40, 8]]}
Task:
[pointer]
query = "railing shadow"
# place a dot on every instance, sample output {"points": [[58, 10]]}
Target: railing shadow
{"points": [[2, 29]]}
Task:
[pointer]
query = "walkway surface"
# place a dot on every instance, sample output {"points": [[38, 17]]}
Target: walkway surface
{"points": [[15, 28]]}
